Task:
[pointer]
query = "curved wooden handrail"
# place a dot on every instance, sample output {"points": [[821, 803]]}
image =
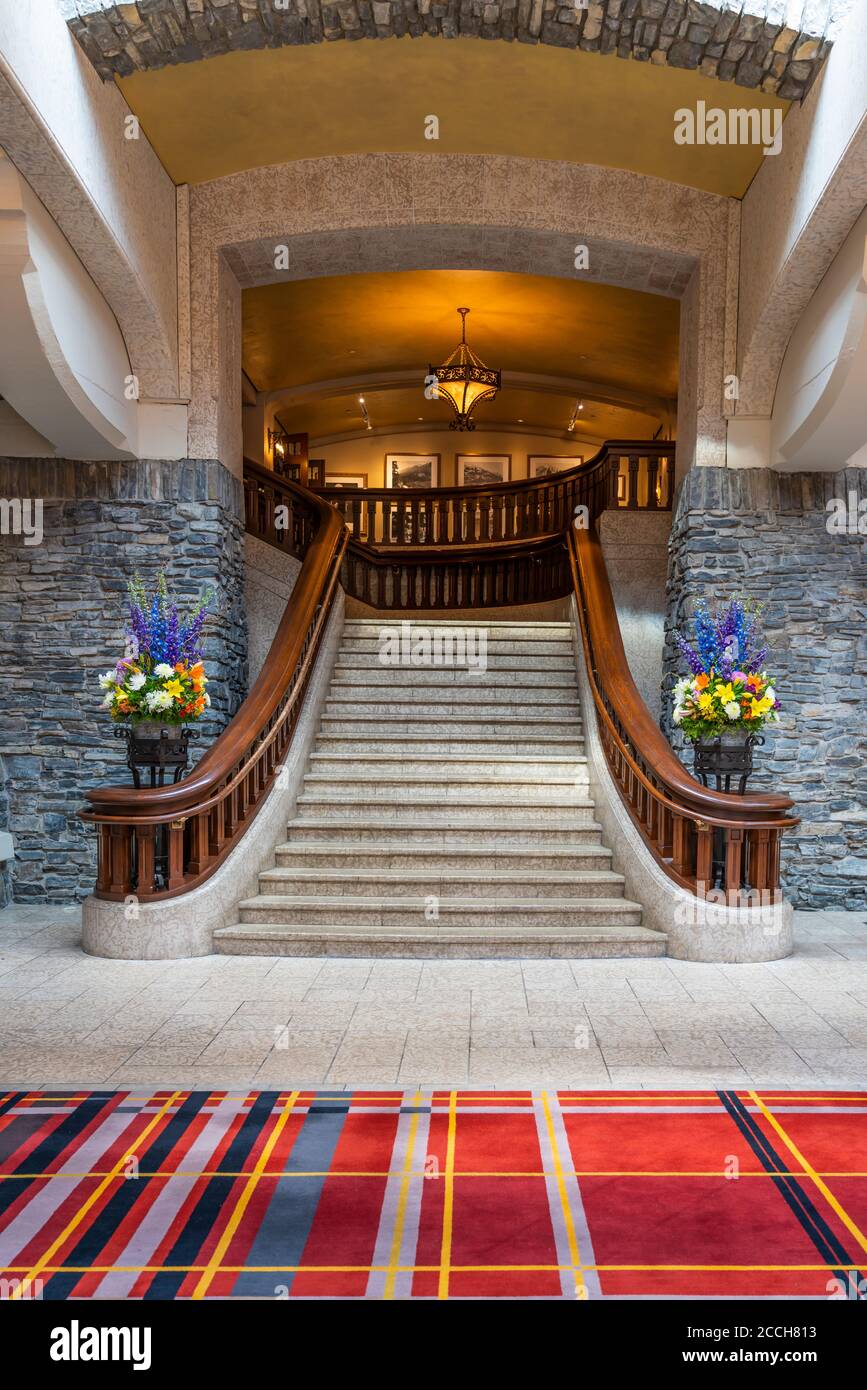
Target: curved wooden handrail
{"points": [[675, 814], [227, 787], [392, 518], [495, 575]]}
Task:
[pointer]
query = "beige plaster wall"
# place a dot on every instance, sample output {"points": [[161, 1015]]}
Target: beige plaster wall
{"points": [[378, 212], [64, 130]]}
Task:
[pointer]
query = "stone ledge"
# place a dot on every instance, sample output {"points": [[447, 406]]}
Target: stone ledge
{"points": [[753, 48]]}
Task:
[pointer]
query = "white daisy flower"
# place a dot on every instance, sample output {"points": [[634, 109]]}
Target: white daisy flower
{"points": [[164, 670]]}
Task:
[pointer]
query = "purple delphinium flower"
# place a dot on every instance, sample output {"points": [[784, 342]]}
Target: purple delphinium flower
{"points": [[173, 636]]}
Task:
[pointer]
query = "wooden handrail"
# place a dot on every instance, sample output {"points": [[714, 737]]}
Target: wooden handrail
{"points": [[503, 512], [478, 576], [205, 815], [677, 816]]}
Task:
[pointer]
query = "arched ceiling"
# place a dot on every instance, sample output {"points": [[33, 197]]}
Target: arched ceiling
{"points": [[323, 341], [220, 115]]}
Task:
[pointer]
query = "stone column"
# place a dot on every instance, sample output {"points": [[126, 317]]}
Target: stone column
{"points": [[62, 615], [758, 533]]}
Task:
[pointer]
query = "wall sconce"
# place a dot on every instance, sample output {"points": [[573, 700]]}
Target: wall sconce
{"points": [[277, 441]]}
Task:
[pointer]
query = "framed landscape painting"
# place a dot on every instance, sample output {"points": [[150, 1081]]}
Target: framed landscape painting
{"points": [[546, 465], [480, 470], [412, 470], [348, 480]]}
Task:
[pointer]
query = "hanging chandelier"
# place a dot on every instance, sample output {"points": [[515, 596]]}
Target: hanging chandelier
{"points": [[464, 380]]}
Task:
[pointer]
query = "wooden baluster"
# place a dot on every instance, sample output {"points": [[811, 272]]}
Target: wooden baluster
{"points": [[734, 852], [230, 803], [145, 859], [175, 833], [652, 470], [485, 506], [665, 833], [760, 859], [703, 856], [774, 860], [216, 834], [120, 878], [680, 846], [199, 854], [103, 859], [413, 529], [633, 482]]}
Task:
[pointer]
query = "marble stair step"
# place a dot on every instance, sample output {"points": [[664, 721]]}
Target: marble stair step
{"points": [[485, 831], [478, 789], [531, 651], [492, 914], [415, 711], [448, 883], [484, 747], [400, 689], [450, 805], [374, 721], [445, 766], [358, 658], [458, 677], [431, 941], [512, 856]]}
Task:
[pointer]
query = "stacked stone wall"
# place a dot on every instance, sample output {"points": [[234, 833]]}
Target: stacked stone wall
{"points": [[62, 617], [765, 534]]}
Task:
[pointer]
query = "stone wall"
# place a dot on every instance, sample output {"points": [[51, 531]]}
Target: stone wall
{"points": [[62, 615], [635, 547], [760, 533], [750, 45]]}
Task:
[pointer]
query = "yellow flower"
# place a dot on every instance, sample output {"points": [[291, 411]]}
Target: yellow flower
{"points": [[174, 687], [705, 701], [760, 707], [725, 693]]}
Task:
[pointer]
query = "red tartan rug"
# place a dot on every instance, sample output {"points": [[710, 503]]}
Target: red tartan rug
{"points": [[461, 1195]]}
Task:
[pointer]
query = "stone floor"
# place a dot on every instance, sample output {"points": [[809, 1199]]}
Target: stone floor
{"points": [[67, 1019]]}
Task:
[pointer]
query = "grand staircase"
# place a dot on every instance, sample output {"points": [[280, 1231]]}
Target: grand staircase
{"points": [[446, 812]]}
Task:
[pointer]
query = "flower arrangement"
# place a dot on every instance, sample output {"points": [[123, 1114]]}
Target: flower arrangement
{"points": [[161, 676], [729, 689]]}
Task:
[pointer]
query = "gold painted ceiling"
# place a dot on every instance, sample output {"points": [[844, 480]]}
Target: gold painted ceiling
{"points": [[242, 110], [323, 337]]}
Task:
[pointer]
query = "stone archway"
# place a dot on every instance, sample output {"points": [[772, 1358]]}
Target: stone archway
{"points": [[352, 214]]}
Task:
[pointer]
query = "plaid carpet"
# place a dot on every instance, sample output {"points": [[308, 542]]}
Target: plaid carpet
{"points": [[446, 1195]]}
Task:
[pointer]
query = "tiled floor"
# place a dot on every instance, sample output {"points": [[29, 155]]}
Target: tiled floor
{"points": [[67, 1019]]}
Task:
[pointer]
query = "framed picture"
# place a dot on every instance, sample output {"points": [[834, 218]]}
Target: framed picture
{"points": [[348, 480], [546, 465], [479, 470], [412, 470]]}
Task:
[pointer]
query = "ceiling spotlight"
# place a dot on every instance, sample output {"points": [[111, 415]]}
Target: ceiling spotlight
{"points": [[364, 414], [578, 406]]}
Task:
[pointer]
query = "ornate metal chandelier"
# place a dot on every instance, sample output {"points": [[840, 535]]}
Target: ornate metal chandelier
{"points": [[464, 380]]}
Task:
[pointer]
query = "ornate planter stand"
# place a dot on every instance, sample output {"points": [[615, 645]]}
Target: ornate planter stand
{"points": [[728, 761], [157, 750]]}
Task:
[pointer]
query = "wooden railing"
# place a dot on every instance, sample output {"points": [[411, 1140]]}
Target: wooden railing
{"points": [[678, 818], [158, 842], [492, 576], [630, 475]]}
